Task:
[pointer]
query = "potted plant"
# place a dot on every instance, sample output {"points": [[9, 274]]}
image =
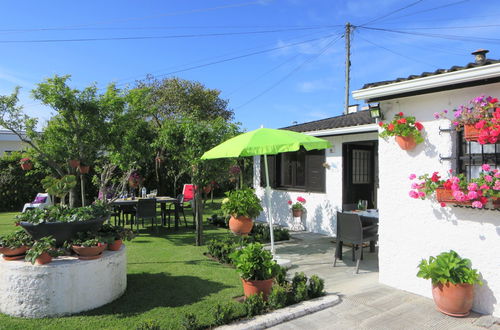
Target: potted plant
{"points": [[453, 282], [257, 269], [26, 164], [88, 246], [39, 253], [298, 207], [134, 180], [83, 169], [242, 205], [488, 183], [115, 235], [407, 130], [74, 163], [13, 246]]}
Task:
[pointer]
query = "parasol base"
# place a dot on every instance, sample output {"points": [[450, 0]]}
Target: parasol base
{"points": [[285, 263]]}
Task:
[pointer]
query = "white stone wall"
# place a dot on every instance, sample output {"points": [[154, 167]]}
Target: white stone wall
{"points": [[321, 207], [414, 229]]}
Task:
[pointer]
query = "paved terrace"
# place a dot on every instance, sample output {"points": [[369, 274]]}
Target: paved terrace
{"points": [[365, 304]]}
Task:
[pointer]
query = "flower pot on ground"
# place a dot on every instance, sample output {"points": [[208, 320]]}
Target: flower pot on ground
{"points": [[26, 164], [243, 205], [298, 207], [407, 131], [453, 282], [256, 268], [297, 213], [406, 142], [115, 235], [14, 245], [39, 253], [74, 163]]}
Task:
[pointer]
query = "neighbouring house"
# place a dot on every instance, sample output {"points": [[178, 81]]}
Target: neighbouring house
{"points": [[361, 165], [9, 142]]}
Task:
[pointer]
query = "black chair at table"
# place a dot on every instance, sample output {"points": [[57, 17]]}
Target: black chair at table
{"points": [[146, 209], [350, 230], [117, 215], [180, 207], [127, 211], [349, 207]]}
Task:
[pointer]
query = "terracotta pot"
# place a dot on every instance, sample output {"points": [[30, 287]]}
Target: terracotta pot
{"points": [[297, 213], [240, 225], [8, 252], [43, 259], [446, 196], [27, 166], [496, 202], [74, 163], [406, 142], [84, 169], [453, 299], [116, 245], [471, 133], [255, 287], [91, 251]]}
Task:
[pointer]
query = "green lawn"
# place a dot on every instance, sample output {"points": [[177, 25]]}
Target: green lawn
{"points": [[167, 277]]}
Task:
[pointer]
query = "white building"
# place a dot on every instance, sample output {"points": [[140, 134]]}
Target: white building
{"points": [[409, 229], [9, 142]]}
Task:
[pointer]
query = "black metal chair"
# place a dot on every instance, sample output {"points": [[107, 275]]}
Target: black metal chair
{"points": [[349, 207], [146, 209], [350, 230], [180, 207], [117, 215], [126, 212]]}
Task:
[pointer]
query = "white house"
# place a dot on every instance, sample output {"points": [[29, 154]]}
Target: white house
{"points": [[360, 165], [9, 142]]}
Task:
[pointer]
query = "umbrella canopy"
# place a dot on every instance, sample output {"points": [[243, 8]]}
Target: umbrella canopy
{"points": [[265, 141]]}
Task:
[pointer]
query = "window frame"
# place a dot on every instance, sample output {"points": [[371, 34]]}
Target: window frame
{"points": [[465, 161]]}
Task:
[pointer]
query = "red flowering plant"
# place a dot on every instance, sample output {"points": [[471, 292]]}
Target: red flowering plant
{"points": [[488, 182], [25, 160], [299, 205], [403, 126]]}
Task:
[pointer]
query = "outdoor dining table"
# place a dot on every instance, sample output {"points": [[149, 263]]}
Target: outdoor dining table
{"points": [[368, 218], [162, 200]]}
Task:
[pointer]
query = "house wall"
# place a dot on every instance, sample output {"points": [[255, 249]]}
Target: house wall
{"points": [[320, 216], [413, 229], [9, 142]]}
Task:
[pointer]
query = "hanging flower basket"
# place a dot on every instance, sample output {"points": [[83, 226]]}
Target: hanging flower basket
{"points": [[471, 133], [446, 196], [406, 142], [26, 164], [74, 163], [84, 169]]}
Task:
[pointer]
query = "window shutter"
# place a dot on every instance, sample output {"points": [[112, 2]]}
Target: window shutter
{"points": [[315, 172], [271, 163]]}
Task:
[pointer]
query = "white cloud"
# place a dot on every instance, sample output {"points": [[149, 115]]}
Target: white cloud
{"points": [[315, 85]]}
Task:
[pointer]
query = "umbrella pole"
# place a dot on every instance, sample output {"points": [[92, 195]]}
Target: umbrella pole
{"points": [[268, 197]]}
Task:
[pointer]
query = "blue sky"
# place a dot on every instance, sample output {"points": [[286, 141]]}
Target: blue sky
{"points": [[300, 82]]}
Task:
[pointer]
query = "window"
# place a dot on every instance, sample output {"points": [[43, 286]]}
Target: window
{"points": [[301, 170], [361, 166], [471, 155]]}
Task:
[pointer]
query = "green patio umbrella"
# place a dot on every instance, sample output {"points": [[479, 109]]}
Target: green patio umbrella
{"points": [[265, 141]]}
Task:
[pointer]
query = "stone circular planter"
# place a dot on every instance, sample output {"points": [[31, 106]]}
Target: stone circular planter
{"points": [[61, 231], [65, 286]]}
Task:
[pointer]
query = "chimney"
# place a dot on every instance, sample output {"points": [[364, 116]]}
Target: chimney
{"points": [[480, 56], [353, 108]]}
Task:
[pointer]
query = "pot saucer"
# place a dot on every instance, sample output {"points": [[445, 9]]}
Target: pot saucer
{"points": [[90, 257], [18, 257]]}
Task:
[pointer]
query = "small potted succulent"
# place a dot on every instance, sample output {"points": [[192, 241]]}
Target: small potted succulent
{"points": [[256, 268], [407, 131], [242, 205], [453, 282], [88, 246], [39, 253], [115, 235], [14, 245], [26, 164], [298, 207]]}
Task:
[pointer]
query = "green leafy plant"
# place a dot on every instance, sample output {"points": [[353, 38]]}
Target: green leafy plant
{"points": [[448, 267], [223, 314], [190, 322], [255, 263], [148, 325], [299, 287], [278, 297], [280, 277], [116, 233], [87, 239], [222, 249], [61, 213], [16, 239], [403, 126], [59, 187], [261, 233], [43, 245], [242, 202], [315, 287], [255, 305]]}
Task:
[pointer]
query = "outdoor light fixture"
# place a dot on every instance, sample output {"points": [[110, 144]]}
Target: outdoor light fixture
{"points": [[375, 112]]}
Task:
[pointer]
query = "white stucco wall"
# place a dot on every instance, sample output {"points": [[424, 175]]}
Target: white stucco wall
{"points": [[321, 207], [10, 142], [414, 229]]}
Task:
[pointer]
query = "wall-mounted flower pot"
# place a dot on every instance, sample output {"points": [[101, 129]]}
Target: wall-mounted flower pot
{"points": [[496, 202], [453, 299], [116, 245], [471, 133], [297, 213], [446, 196], [84, 169], [26, 166], [74, 163], [251, 288], [240, 225], [43, 259], [406, 142]]}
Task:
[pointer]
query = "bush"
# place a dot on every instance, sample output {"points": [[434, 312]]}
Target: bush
{"points": [[299, 287], [222, 248], [218, 220], [261, 233], [190, 322], [280, 277], [255, 305], [148, 325], [315, 287], [448, 267], [278, 297], [223, 314]]}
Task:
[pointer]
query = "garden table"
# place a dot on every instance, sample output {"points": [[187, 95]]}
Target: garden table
{"points": [[162, 200]]}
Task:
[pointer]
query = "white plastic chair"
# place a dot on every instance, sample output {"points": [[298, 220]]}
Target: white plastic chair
{"points": [[37, 203]]}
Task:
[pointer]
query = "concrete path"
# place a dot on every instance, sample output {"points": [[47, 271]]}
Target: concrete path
{"points": [[366, 304]]}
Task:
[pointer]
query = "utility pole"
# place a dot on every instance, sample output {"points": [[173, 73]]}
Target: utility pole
{"points": [[347, 36]]}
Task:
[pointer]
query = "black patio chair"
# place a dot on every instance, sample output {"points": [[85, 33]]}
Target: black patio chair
{"points": [[351, 230], [127, 213], [146, 209], [180, 205], [349, 207]]}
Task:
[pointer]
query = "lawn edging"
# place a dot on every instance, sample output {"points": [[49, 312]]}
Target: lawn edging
{"points": [[285, 314]]}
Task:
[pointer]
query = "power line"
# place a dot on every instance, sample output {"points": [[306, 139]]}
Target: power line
{"points": [[393, 12], [448, 27]]}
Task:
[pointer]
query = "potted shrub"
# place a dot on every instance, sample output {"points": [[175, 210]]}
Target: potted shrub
{"points": [[453, 282], [298, 207], [407, 131], [88, 246], [257, 269], [26, 164], [115, 235], [39, 253], [13, 246], [242, 205]]}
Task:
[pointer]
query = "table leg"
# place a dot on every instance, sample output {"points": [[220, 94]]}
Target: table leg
{"points": [[176, 215], [163, 207], [372, 246], [339, 250]]}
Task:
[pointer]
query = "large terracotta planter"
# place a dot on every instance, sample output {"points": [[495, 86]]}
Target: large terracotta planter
{"points": [[8, 252], [406, 142], [297, 213], [255, 287], [91, 252], [471, 133], [446, 196], [116, 245], [43, 259], [453, 299], [240, 225]]}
